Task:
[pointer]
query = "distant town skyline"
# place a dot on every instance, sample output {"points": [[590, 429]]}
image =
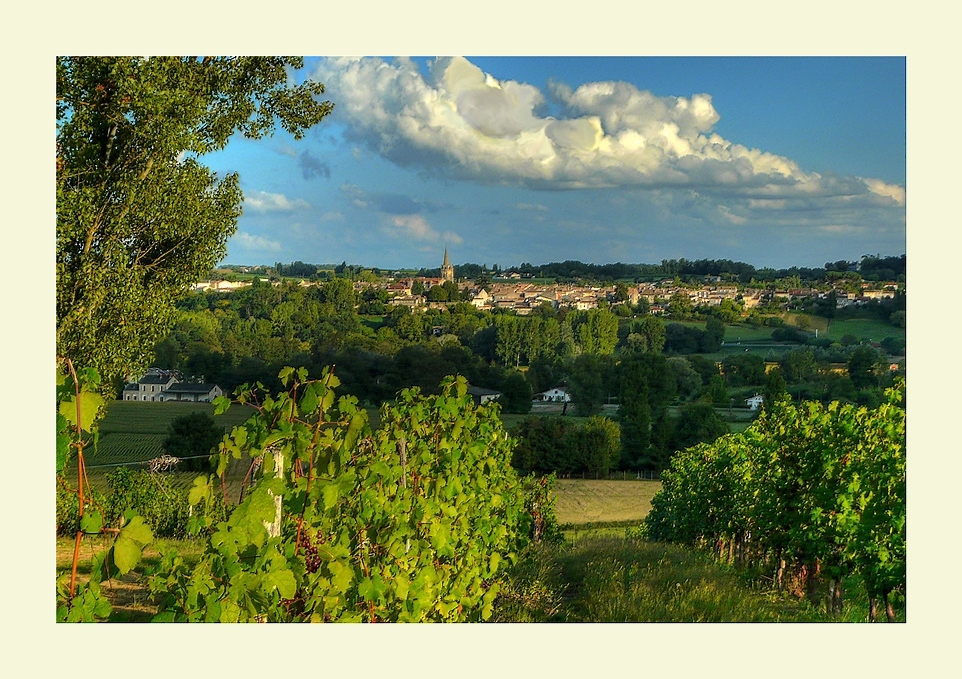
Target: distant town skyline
{"points": [[772, 161]]}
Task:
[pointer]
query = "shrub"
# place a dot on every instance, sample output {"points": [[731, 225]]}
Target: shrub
{"points": [[192, 438], [152, 496]]}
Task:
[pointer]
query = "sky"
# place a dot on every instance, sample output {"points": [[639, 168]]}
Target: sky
{"points": [[774, 161]]}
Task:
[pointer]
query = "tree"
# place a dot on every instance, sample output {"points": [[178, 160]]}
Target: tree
{"points": [[647, 334], [865, 367], [194, 435], [588, 379], [680, 304], [687, 379], [635, 413], [139, 218], [516, 394], [774, 389], [697, 423], [717, 393], [714, 333]]}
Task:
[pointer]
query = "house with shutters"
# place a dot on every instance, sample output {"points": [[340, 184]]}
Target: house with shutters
{"points": [[164, 386]]}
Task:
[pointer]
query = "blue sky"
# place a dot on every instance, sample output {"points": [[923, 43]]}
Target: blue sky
{"points": [[775, 161]]}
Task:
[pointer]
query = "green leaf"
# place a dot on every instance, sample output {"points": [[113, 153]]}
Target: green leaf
{"points": [[261, 506], [330, 494], [137, 531], [221, 405], [90, 405], [92, 522], [284, 581], [199, 491], [63, 448], [126, 554]]}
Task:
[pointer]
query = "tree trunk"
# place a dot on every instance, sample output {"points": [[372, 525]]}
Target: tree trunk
{"points": [[835, 590], [813, 584], [889, 611], [872, 609]]}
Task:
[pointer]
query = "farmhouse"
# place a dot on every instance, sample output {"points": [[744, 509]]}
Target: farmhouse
{"points": [[555, 395], [197, 392], [164, 386], [755, 402], [482, 395]]}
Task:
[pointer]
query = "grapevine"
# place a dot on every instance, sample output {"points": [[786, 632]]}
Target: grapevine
{"points": [[415, 522], [810, 493]]}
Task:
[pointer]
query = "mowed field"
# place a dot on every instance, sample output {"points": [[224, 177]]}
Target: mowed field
{"points": [[134, 431], [584, 501], [862, 329]]}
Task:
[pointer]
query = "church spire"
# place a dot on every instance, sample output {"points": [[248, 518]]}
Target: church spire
{"points": [[447, 270]]}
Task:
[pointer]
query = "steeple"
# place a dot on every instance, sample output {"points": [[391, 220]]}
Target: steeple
{"points": [[447, 270]]}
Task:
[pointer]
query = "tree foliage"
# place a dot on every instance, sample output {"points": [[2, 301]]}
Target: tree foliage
{"points": [[194, 435], [546, 445], [139, 218]]}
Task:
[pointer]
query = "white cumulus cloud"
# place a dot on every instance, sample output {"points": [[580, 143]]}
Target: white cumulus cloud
{"points": [[262, 201], [463, 123], [417, 227], [256, 243]]}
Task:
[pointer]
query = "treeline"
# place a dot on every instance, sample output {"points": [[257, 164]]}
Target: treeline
{"points": [[869, 268]]}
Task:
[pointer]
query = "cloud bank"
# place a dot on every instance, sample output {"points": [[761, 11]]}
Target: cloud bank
{"points": [[460, 122]]}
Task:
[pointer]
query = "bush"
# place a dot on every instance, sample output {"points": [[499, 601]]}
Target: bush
{"points": [[415, 522], [192, 438], [163, 507]]}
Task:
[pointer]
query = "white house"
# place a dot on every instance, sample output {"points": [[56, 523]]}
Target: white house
{"points": [[149, 387], [482, 395], [555, 395], [755, 402], [197, 392], [164, 386]]}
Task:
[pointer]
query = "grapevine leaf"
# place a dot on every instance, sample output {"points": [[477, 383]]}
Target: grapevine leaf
{"points": [[90, 404], [284, 581], [199, 491], [92, 522], [126, 554]]}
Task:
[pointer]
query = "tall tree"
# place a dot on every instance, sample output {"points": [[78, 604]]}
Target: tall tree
{"points": [[139, 218], [635, 413]]}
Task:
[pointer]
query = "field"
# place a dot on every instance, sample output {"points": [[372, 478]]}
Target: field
{"points": [[133, 432], [862, 329], [587, 501]]}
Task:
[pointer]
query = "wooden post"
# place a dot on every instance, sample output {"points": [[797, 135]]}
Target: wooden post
{"points": [[274, 528]]}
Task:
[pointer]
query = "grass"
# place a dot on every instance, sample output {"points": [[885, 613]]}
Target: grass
{"points": [[134, 431], [128, 595], [863, 329], [589, 501], [607, 578]]}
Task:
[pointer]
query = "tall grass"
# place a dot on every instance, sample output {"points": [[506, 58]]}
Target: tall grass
{"points": [[603, 576]]}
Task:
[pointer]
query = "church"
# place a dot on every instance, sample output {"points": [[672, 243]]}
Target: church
{"points": [[447, 269]]}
